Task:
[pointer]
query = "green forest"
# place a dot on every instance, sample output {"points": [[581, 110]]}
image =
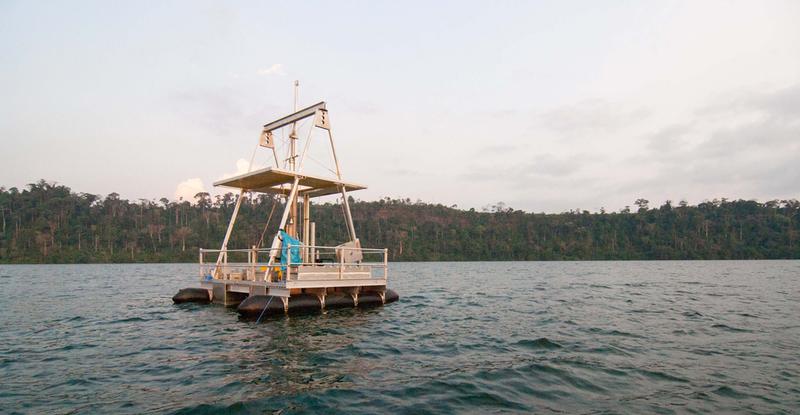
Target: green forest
{"points": [[49, 223]]}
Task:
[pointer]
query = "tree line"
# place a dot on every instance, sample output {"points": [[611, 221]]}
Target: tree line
{"points": [[49, 223]]}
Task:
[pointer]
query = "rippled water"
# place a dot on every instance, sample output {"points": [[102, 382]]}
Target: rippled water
{"points": [[564, 337]]}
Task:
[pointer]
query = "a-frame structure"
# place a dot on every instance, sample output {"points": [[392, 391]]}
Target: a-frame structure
{"points": [[294, 264]]}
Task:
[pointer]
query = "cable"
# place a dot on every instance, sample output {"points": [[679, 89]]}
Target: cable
{"points": [[265, 309], [269, 218], [250, 167]]}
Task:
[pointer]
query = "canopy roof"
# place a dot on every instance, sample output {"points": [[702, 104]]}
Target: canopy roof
{"points": [[278, 181]]}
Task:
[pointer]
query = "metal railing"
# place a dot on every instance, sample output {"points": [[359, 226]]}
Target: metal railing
{"points": [[253, 264]]}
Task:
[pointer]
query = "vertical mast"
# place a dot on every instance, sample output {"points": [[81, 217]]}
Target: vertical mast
{"points": [[293, 134], [292, 229]]}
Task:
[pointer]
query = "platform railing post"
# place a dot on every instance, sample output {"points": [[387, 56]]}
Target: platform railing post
{"points": [[385, 263], [201, 263], [288, 261], [341, 262], [253, 255], [313, 241]]}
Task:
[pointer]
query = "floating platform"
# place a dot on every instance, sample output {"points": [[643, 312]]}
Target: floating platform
{"points": [[294, 274], [300, 303], [256, 306]]}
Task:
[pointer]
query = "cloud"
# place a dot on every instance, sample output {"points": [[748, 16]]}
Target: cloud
{"points": [[496, 149], [242, 167], [400, 171], [737, 145], [669, 139], [538, 167], [591, 116], [783, 103], [216, 110], [549, 165], [275, 69], [188, 188], [223, 112], [741, 145]]}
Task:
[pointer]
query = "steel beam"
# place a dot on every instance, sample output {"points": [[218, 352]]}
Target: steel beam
{"points": [[297, 116]]}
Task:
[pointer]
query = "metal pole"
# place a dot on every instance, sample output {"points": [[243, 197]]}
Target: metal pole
{"points": [[335, 160], [275, 241], [385, 263], [253, 256], [222, 252], [306, 224], [313, 241], [293, 134], [348, 218], [288, 261], [292, 230]]}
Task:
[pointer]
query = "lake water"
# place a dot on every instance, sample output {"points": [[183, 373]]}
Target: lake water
{"points": [[549, 337]]}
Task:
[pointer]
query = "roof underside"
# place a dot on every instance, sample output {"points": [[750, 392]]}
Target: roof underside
{"points": [[277, 181]]}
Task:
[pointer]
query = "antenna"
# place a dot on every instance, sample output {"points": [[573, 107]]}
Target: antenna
{"points": [[293, 134], [292, 228], [296, 93]]}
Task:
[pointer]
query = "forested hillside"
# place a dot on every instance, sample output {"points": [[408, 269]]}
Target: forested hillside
{"points": [[50, 223]]}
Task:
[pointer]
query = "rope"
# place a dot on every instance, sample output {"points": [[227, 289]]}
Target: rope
{"points": [[269, 218], [321, 164], [265, 309], [252, 158]]}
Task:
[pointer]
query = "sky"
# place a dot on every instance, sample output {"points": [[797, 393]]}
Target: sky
{"points": [[545, 106]]}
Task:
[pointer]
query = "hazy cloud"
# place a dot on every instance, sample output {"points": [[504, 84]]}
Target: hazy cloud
{"points": [[274, 69], [242, 167], [539, 166], [549, 165], [217, 110], [222, 111], [592, 116], [669, 139], [618, 103], [782, 103], [744, 145], [497, 149], [188, 188]]}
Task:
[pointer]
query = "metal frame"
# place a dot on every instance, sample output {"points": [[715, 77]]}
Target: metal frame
{"points": [[257, 273], [248, 275], [294, 117], [273, 180]]}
